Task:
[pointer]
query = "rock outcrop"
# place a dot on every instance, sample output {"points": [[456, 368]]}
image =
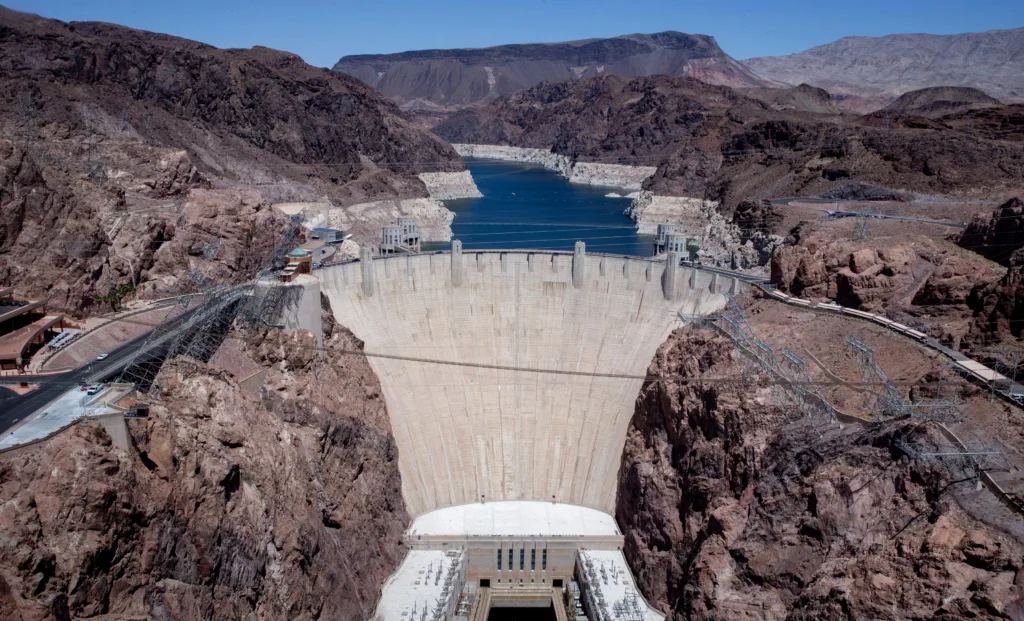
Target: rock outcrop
{"points": [[999, 235], [920, 281], [230, 506], [433, 219], [998, 306], [938, 101], [445, 186], [804, 98], [728, 513], [738, 244]]}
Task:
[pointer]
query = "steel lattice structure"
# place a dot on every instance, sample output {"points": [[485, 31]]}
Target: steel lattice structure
{"points": [[790, 379], [200, 318]]}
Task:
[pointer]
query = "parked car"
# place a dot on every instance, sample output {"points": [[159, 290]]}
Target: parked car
{"points": [[102, 356]]}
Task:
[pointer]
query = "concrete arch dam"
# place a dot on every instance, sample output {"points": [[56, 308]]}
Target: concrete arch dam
{"points": [[470, 432]]}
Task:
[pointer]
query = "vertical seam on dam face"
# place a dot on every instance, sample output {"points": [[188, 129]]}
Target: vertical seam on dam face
{"points": [[472, 433]]}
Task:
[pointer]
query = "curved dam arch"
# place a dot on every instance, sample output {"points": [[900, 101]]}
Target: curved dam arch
{"points": [[470, 432]]}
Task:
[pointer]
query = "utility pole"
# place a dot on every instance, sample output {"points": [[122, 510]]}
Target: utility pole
{"points": [[130, 269]]}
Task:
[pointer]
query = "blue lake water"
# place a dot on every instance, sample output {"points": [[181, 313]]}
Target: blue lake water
{"points": [[528, 206]]}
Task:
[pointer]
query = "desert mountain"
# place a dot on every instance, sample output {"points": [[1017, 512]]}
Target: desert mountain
{"points": [[712, 142], [880, 68], [427, 79], [122, 146], [938, 101]]}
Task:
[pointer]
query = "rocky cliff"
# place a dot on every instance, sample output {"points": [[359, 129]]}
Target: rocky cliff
{"points": [[999, 235], [998, 306], [428, 80], [880, 68], [729, 514], [108, 132], [284, 504]]}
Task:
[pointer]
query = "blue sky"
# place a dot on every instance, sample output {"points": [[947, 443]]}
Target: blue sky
{"points": [[321, 31]]}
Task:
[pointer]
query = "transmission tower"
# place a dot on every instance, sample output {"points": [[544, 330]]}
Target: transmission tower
{"points": [[971, 459], [791, 387], [889, 402], [198, 335]]}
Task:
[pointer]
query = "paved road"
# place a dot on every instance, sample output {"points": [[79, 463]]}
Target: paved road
{"points": [[839, 213], [16, 408], [52, 386]]}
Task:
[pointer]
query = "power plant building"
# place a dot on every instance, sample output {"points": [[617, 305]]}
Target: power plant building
{"points": [[401, 237]]}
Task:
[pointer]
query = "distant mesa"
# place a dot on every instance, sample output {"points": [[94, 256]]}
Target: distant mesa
{"points": [[462, 77]]}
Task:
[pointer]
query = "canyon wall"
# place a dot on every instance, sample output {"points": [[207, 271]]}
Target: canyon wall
{"points": [[690, 215], [729, 514], [281, 504]]}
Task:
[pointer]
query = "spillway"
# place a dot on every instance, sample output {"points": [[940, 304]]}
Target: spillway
{"points": [[500, 368]]}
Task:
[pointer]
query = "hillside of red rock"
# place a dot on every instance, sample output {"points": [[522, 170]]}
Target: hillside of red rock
{"points": [[730, 513], [920, 281], [285, 505], [108, 132]]}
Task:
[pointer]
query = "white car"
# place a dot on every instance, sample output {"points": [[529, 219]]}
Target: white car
{"points": [[102, 356]]}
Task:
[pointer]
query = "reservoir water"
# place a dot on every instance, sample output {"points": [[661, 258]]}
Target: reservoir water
{"points": [[528, 206]]}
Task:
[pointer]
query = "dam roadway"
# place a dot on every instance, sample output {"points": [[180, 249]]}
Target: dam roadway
{"points": [[470, 432]]}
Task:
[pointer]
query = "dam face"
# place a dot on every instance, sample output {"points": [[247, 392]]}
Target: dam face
{"points": [[483, 429]]}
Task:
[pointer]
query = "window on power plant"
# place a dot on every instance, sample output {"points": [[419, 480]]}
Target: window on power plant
{"points": [[522, 558], [510, 560], [544, 559], [499, 560], [533, 559]]}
